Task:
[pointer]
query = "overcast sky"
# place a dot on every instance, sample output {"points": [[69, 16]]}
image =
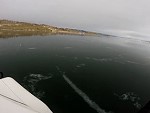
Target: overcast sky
{"points": [[124, 17]]}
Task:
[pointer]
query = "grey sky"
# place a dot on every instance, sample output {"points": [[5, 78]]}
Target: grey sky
{"points": [[123, 17]]}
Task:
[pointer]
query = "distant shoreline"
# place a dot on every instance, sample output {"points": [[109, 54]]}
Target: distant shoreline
{"points": [[10, 28]]}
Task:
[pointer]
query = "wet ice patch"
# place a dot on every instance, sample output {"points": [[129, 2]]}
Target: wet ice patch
{"points": [[30, 83], [62, 56], [88, 58], [117, 61], [20, 44], [131, 97]]}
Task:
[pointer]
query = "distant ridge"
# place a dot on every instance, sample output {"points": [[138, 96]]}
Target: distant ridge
{"points": [[10, 28]]}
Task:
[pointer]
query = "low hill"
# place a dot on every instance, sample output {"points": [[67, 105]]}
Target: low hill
{"points": [[13, 29]]}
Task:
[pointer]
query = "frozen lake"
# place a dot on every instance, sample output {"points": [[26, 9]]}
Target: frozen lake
{"points": [[80, 74]]}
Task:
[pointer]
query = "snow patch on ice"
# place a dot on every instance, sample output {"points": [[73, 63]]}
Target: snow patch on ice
{"points": [[30, 83], [80, 65], [31, 48], [132, 62], [84, 96], [131, 97], [99, 59], [68, 47]]}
